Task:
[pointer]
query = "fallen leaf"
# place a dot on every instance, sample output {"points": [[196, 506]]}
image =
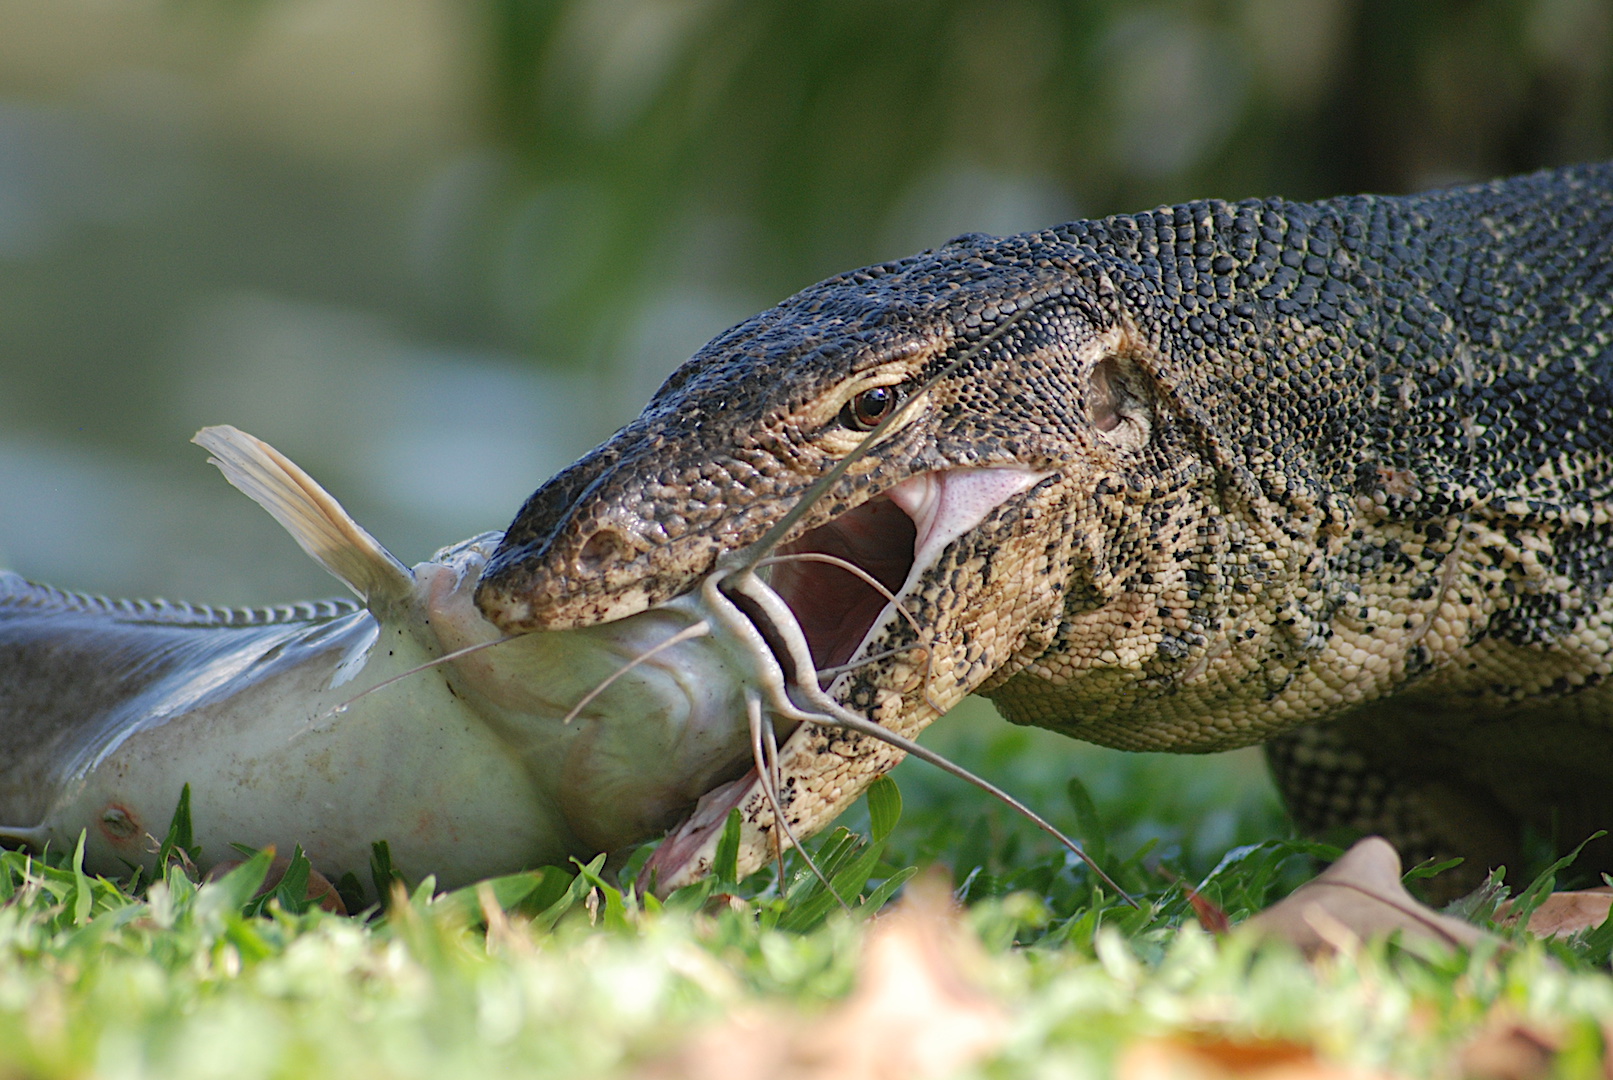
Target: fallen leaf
{"points": [[320, 889], [1218, 1057], [1209, 914], [914, 1011], [1358, 898], [1509, 1049], [1564, 913]]}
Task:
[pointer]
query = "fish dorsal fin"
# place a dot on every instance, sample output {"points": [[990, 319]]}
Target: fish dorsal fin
{"points": [[310, 514]]}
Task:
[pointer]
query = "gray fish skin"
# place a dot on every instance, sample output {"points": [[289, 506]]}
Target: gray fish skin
{"points": [[235, 712], [469, 769], [81, 674]]}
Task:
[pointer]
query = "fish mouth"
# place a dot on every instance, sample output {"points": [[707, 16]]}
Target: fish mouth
{"points": [[836, 616]]}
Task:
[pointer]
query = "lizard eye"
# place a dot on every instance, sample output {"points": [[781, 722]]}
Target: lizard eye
{"points": [[868, 408]]}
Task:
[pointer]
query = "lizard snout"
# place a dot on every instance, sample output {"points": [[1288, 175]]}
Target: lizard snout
{"points": [[580, 574]]}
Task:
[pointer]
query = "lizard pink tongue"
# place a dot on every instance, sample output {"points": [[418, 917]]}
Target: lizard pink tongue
{"points": [[947, 503]]}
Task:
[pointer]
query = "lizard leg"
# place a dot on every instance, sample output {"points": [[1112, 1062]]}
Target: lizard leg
{"points": [[1333, 780]]}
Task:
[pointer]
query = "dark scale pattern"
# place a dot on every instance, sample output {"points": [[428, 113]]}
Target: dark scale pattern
{"points": [[19, 595], [1365, 478]]}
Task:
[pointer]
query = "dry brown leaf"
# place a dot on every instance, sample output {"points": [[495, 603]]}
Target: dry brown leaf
{"points": [[1209, 914], [915, 1013], [1214, 1057], [320, 889], [1565, 913], [1357, 898], [1510, 1049]]}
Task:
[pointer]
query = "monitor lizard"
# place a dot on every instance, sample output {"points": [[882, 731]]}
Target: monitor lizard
{"points": [[1334, 477]]}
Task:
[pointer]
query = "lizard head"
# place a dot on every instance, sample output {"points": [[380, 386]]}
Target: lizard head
{"points": [[997, 387]]}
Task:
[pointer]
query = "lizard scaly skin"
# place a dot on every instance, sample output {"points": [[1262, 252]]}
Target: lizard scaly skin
{"points": [[1336, 476]]}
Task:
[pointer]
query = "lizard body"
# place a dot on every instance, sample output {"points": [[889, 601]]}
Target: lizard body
{"points": [[1336, 476]]}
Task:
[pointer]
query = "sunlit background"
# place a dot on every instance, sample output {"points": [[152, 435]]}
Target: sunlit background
{"points": [[434, 249]]}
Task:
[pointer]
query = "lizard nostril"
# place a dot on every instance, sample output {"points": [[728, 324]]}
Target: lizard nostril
{"points": [[604, 549]]}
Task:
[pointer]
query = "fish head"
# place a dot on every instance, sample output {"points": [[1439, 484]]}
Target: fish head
{"points": [[624, 725]]}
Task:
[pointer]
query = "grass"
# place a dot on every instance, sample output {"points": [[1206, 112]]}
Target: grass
{"points": [[557, 973]]}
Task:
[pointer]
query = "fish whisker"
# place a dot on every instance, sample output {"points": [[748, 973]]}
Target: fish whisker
{"points": [[765, 747], [688, 633], [830, 713], [878, 586], [841, 669], [437, 661]]}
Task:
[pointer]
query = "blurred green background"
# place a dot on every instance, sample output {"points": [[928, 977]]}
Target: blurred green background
{"points": [[434, 249]]}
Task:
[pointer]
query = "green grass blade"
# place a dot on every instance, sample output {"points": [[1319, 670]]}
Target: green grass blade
{"points": [[887, 888], [180, 840], [233, 893], [83, 896], [1089, 824], [884, 807], [725, 867]]}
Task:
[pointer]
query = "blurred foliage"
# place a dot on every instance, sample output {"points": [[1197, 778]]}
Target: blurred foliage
{"points": [[804, 128], [560, 973], [1176, 810]]}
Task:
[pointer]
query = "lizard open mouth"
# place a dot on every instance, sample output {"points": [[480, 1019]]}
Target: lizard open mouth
{"points": [[893, 538], [836, 608]]}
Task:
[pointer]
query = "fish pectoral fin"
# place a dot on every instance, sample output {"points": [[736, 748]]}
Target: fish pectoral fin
{"points": [[309, 513]]}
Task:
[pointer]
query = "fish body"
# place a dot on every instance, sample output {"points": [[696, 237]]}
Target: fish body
{"points": [[304, 724]]}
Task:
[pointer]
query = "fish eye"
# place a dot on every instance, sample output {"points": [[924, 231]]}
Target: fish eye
{"points": [[864, 411]]}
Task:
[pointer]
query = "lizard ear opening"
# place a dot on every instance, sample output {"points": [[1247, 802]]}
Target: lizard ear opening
{"points": [[1120, 403]]}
